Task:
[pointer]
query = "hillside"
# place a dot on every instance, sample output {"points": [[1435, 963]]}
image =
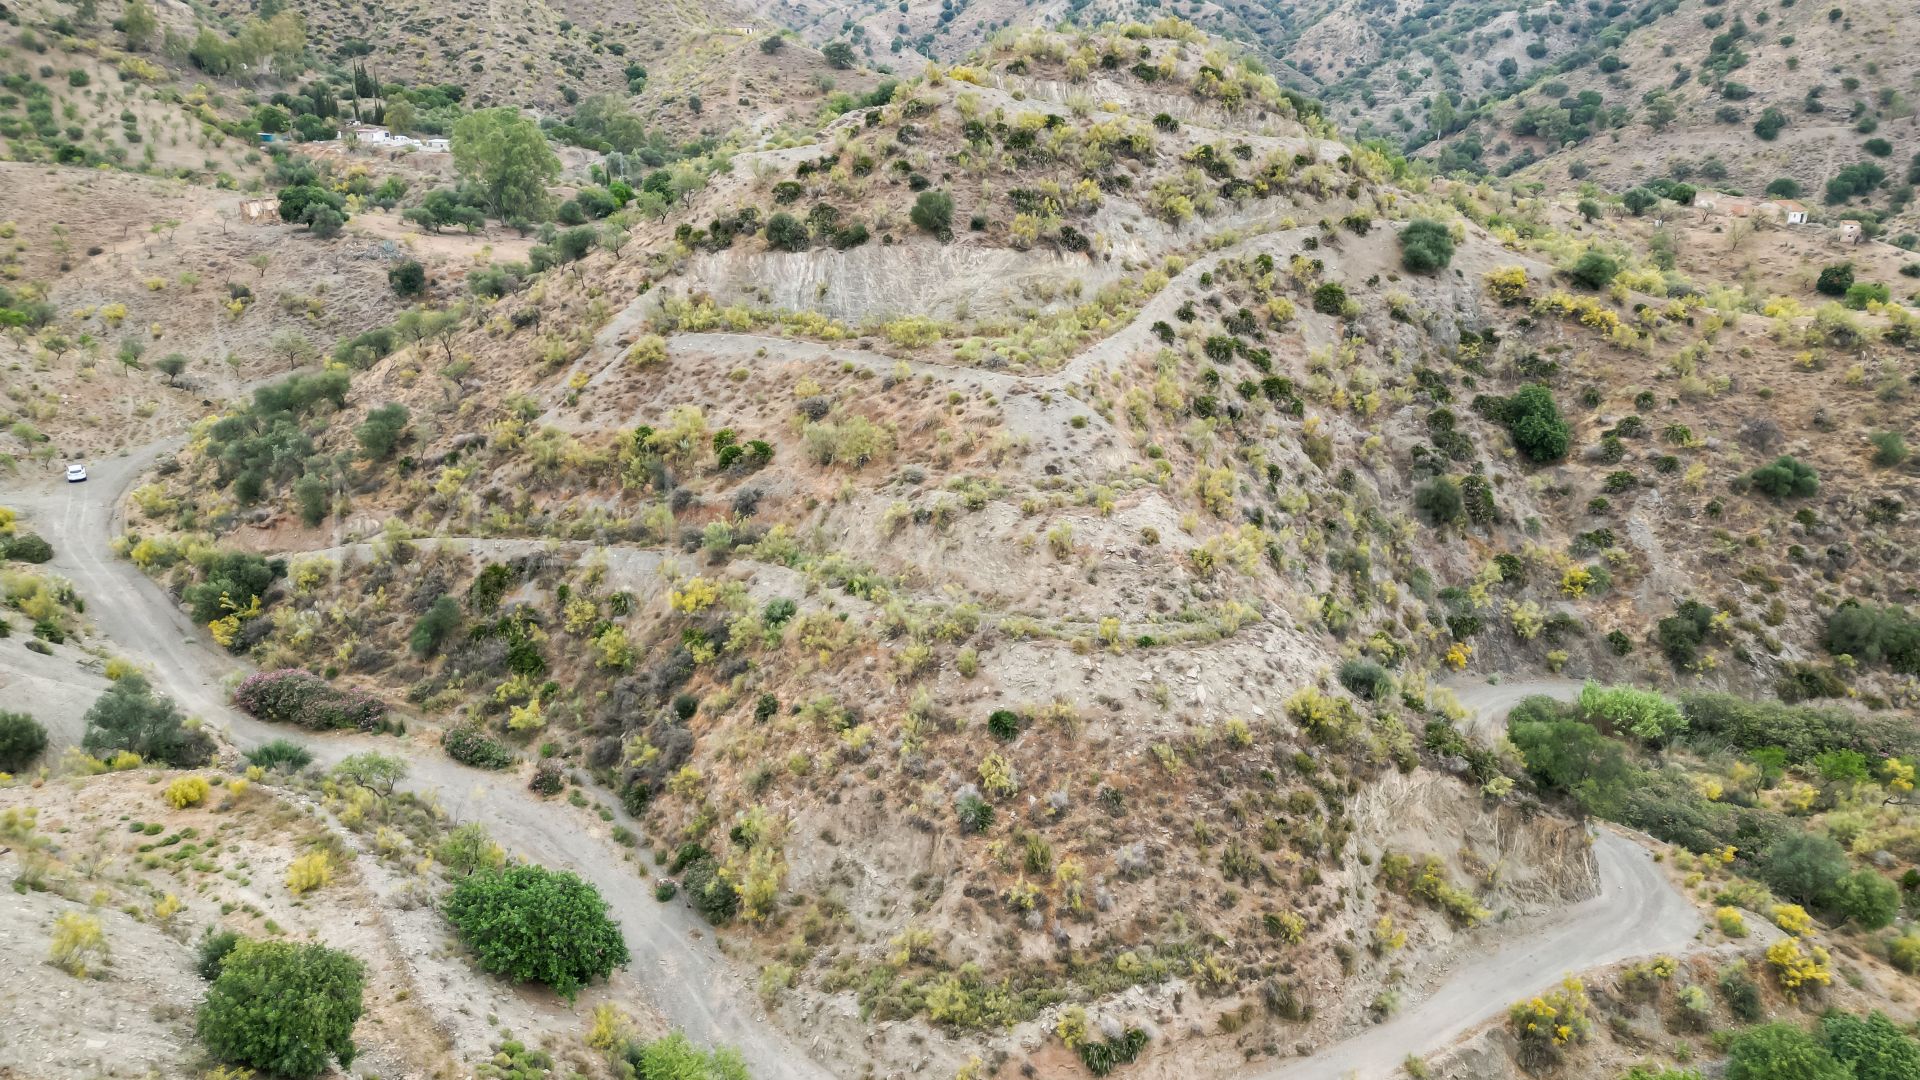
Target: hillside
{"points": [[1780, 101], [1048, 564]]}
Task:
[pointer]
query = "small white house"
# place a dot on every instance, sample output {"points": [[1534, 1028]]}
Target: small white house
{"points": [[439, 146], [1786, 210]]}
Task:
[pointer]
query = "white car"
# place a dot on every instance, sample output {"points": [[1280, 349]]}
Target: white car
{"points": [[76, 473]]}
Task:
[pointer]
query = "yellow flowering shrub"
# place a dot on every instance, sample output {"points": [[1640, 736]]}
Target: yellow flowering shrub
{"points": [[1793, 919], [1554, 1019], [1794, 969], [697, 595], [1731, 922], [78, 943], [186, 791], [1507, 283], [309, 872]]}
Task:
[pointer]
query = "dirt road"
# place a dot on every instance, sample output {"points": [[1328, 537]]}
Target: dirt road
{"points": [[1636, 911], [693, 986]]}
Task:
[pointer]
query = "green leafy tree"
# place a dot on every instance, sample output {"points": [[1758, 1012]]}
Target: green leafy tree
{"points": [[503, 153], [439, 623], [838, 54], [1568, 755], [1871, 634], [1804, 866], [381, 431], [272, 119], [1638, 200], [171, 365], [370, 769], [130, 716], [284, 1008], [1661, 110], [1868, 899], [325, 222], [298, 202], [313, 495], [537, 925], [21, 740], [138, 23], [1781, 1052], [1835, 280], [231, 581], [408, 278], [1425, 246]]}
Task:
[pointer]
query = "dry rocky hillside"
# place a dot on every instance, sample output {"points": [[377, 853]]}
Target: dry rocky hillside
{"points": [[1057, 563]]}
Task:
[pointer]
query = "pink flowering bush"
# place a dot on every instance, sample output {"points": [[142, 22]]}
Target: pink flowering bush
{"points": [[294, 696]]}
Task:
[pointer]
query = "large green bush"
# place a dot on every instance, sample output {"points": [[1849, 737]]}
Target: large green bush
{"points": [[1800, 732], [130, 716], [280, 754], [1872, 634], [1781, 1051], [1872, 1045], [440, 622], [1366, 678], [21, 740], [933, 211], [1645, 715], [470, 745], [1533, 420], [711, 894], [1425, 246], [381, 431], [787, 233], [537, 925], [230, 580], [1594, 269], [1682, 633], [1440, 502], [1785, 477], [1835, 280], [26, 547], [1866, 898], [674, 1058], [286, 1009]]}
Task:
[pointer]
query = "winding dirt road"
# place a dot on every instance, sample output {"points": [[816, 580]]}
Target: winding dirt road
{"points": [[693, 986], [1636, 911]]}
